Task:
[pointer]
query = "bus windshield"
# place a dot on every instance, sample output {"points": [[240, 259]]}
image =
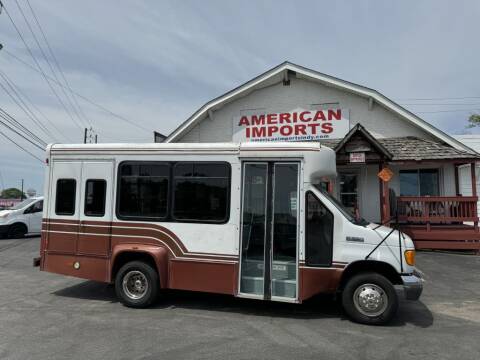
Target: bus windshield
{"points": [[350, 217]]}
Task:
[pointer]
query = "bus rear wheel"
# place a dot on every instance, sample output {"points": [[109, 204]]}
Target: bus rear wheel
{"points": [[137, 284], [370, 298]]}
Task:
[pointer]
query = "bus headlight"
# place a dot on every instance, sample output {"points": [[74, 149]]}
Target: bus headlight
{"points": [[410, 257]]}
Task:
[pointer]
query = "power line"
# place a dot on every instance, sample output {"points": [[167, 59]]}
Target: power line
{"points": [[465, 104], [80, 95], [7, 117], [80, 111], [50, 65], [445, 111], [438, 98], [54, 73], [40, 68], [22, 105], [21, 147], [21, 94], [17, 125]]}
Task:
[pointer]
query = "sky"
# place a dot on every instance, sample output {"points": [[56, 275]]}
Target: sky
{"points": [[154, 63]]}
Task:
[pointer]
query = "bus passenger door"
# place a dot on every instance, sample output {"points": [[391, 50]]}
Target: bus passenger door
{"points": [[269, 230], [63, 209], [95, 208]]}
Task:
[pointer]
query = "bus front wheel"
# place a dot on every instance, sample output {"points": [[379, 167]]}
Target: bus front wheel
{"points": [[370, 298], [137, 284]]}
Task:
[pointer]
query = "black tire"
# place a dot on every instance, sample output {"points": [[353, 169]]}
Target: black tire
{"points": [[17, 231], [132, 272], [370, 284]]}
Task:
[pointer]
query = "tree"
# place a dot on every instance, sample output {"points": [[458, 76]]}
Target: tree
{"points": [[473, 121], [12, 193]]}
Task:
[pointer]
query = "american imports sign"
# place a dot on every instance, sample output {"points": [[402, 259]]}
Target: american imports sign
{"points": [[297, 125]]}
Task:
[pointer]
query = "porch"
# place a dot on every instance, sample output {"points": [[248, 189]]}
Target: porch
{"points": [[440, 222], [421, 190]]}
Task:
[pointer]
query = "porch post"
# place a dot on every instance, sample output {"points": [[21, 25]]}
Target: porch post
{"points": [[474, 192], [384, 198]]}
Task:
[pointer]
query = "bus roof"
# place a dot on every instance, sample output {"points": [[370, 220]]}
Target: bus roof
{"points": [[233, 148], [319, 161]]}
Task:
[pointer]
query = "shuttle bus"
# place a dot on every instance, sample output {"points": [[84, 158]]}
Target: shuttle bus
{"points": [[253, 220]]}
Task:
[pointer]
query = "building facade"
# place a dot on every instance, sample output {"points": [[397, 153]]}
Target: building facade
{"points": [[369, 133]]}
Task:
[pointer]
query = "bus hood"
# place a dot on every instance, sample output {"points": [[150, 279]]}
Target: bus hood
{"points": [[383, 231]]}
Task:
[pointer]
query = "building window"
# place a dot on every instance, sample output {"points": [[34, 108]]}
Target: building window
{"points": [[65, 196], [419, 182], [143, 190], [95, 191], [319, 233], [201, 191]]}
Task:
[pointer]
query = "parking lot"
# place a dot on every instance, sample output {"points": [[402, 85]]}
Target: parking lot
{"points": [[47, 316]]}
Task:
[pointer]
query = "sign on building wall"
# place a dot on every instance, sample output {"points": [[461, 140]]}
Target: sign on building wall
{"points": [[357, 157], [297, 125]]}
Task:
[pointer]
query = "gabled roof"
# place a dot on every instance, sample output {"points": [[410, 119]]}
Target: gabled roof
{"points": [[410, 148], [359, 129], [277, 73]]}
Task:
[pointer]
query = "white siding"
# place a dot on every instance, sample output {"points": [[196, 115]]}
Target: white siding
{"points": [[465, 181], [302, 94]]}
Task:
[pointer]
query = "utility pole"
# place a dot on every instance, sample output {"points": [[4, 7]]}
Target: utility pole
{"points": [[89, 136], [21, 195]]}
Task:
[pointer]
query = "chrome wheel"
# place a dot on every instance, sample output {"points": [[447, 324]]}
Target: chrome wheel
{"points": [[135, 284], [370, 300]]}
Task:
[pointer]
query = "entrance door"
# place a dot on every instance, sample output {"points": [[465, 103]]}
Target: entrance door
{"points": [[269, 230], [349, 191]]}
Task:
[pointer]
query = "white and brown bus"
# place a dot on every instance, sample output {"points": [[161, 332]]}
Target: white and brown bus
{"points": [[251, 220]]}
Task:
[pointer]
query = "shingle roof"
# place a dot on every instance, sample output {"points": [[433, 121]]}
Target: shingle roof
{"points": [[413, 148]]}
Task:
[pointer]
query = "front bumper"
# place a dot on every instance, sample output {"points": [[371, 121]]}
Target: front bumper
{"points": [[412, 286]]}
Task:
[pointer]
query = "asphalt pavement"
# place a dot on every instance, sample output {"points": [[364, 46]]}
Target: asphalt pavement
{"points": [[48, 316]]}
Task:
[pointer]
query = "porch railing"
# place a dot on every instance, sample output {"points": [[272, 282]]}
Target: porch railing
{"points": [[437, 209]]}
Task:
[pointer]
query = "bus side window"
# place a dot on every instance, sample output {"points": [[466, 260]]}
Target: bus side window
{"points": [[95, 192], [201, 192], [143, 190], [319, 233], [65, 196]]}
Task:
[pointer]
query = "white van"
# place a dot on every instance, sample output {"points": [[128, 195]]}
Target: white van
{"points": [[251, 220], [22, 219]]}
